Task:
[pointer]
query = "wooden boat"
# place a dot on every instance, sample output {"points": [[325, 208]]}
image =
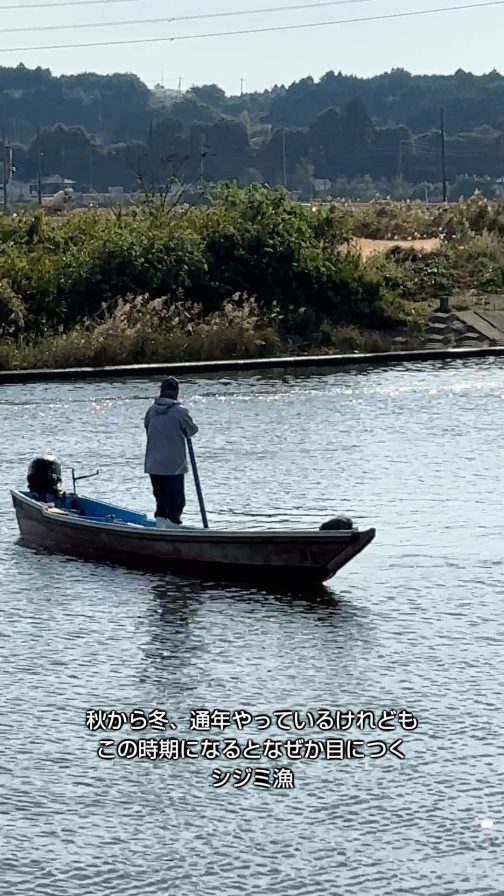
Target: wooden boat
{"points": [[89, 529]]}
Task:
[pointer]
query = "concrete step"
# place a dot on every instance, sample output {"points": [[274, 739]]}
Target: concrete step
{"points": [[438, 329], [470, 343], [473, 336], [440, 318], [440, 339]]}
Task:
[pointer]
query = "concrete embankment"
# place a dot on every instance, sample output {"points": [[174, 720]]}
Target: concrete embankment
{"points": [[143, 371]]}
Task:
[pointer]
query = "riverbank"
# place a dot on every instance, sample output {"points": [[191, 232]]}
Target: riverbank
{"points": [[145, 331], [149, 333], [253, 275], [141, 371]]}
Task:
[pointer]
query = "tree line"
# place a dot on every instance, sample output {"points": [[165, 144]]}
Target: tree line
{"points": [[112, 130]]}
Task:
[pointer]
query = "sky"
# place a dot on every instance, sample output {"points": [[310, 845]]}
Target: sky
{"points": [[440, 43]]}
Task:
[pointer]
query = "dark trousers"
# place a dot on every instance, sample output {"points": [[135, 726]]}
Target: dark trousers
{"points": [[169, 495]]}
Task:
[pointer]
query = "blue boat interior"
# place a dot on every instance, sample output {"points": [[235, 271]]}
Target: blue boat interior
{"points": [[97, 511]]}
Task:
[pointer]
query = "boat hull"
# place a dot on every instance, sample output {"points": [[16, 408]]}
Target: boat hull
{"points": [[302, 556]]}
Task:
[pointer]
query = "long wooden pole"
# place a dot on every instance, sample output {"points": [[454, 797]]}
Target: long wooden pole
{"points": [[197, 483]]}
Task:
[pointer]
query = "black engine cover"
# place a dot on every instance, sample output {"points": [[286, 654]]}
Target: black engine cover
{"points": [[44, 477]]}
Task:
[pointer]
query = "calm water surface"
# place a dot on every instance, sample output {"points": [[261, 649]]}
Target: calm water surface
{"points": [[415, 622]]}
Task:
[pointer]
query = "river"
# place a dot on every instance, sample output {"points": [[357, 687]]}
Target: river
{"points": [[414, 623]]}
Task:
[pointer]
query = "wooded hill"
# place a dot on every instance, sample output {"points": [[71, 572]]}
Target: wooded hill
{"points": [[113, 130]]}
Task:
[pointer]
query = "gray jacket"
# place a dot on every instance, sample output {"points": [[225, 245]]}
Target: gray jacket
{"points": [[167, 424]]}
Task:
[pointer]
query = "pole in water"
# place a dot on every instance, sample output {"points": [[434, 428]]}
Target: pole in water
{"points": [[197, 483]]}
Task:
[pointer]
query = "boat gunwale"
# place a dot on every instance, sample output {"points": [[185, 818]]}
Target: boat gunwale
{"points": [[136, 530]]}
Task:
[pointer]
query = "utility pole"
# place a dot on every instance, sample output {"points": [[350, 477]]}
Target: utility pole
{"points": [[180, 85], [90, 167], [4, 147], [443, 157], [151, 156], [311, 170], [11, 167], [284, 160], [202, 157], [39, 172], [400, 164], [241, 86]]}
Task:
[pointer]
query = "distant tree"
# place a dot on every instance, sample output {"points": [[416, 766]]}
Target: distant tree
{"points": [[326, 138], [191, 111], [302, 179], [209, 95], [270, 157], [167, 149], [466, 186], [388, 151], [129, 165], [356, 137], [250, 176], [221, 150], [64, 151], [344, 126]]}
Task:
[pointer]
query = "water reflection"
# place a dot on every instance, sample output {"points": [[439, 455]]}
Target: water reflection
{"points": [[172, 643], [170, 589], [176, 604]]}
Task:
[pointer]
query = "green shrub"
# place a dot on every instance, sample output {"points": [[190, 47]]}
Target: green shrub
{"points": [[250, 272], [12, 311], [255, 241]]}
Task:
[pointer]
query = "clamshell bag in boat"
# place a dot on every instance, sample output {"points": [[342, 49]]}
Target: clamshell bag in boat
{"points": [[44, 477], [337, 522]]}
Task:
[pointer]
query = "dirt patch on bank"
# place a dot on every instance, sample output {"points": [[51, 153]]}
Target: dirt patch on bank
{"points": [[376, 247]]}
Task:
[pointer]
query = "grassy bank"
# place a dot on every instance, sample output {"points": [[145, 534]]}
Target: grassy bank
{"points": [[251, 275], [142, 330]]}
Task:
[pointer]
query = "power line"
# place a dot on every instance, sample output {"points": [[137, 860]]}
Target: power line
{"points": [[270, 29], [46, 5], [206, 15]]}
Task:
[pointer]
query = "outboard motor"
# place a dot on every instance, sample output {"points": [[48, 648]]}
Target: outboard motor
{"points": [[44, 478]]}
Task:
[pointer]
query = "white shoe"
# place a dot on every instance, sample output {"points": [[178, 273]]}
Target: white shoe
{"points": [[160, 522]]}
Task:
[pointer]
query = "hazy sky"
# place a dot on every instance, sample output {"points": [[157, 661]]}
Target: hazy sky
{"points": [[470, 39]]}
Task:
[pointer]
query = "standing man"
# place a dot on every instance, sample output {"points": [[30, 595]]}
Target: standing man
{"points": [[168, 424]]}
